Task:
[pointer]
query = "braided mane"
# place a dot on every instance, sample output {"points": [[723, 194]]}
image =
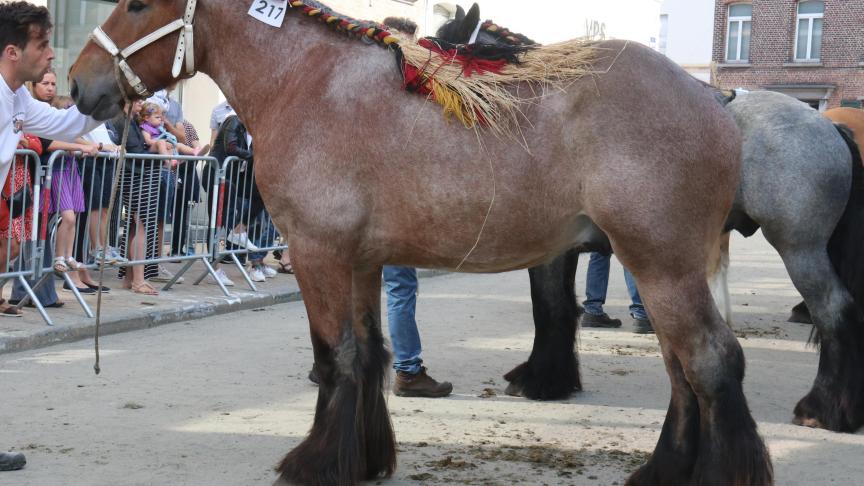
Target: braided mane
{"points": [[360, 28], [473, 83]]}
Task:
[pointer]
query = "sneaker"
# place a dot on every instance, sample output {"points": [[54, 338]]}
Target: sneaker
{"points": [[269, 272], [12, 461], [257, 275], [241, 239], [165, 276], [115, 255], [642, 326], [603, 320], [420, 385], [220, 274]]}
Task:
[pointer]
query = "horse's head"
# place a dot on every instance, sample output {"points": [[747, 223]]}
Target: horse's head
{"points": [[460, 29], [92, 78]]}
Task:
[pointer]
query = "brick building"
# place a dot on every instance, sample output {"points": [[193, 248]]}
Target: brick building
{"points": [[812, 50]]}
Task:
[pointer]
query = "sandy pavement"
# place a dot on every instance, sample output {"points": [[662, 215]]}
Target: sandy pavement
{"points": [[220, 400]]}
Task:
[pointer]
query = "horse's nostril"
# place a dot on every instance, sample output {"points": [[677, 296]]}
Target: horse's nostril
{"points": [[73, 90]]}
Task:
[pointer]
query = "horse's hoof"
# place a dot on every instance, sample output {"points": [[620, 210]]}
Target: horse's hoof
{"points": [[800, 314], [557, 384], [811, 422]]}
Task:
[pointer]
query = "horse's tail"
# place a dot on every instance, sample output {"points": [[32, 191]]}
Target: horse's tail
{"points": [[723, 96], [718, 273], [844, 247]]}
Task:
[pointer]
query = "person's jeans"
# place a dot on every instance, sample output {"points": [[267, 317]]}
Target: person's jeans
{"points": [[263, 234], [400, 283], [598, 281]]}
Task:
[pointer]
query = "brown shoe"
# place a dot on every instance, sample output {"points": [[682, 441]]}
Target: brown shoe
{"points": [[420, 385]]}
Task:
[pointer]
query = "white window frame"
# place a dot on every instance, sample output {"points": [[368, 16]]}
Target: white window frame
{"points": [[740, 20], [810, 18]]}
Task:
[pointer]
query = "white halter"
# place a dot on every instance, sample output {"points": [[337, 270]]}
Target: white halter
{"points": [[185, 48]]}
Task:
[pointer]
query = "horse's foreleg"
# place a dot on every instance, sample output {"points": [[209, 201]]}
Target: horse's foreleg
{"points": [[352, 437], [709, 437], [836, 401], [552, 370]]}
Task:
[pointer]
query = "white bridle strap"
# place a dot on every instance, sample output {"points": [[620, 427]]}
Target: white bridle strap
{"points": [[185, 47]]}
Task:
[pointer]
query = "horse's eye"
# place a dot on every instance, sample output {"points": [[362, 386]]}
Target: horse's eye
{"points": [[136, 6]]}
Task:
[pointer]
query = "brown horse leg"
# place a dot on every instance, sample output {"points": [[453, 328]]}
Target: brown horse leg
{"points": [[709, 437], [351, 438]]}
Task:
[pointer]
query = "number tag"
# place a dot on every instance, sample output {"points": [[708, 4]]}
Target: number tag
{"points": [[271, 12]]}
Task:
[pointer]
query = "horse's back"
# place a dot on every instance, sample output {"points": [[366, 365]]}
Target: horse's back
{"points": [[795, 164], [662, 155], [852, 118]]}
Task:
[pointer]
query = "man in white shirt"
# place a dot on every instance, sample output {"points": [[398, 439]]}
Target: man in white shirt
{"points": [[26, 55]]}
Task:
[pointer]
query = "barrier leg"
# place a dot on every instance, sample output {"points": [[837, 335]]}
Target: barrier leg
{"points": [[178, 274], [243, 272], [212, 273], [78, 296], [32, 296]]}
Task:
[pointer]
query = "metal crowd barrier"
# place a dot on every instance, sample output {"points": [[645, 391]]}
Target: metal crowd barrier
{"points": [[157, 195], [238, 217]]}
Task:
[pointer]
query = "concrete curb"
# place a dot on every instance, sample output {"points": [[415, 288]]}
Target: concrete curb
{"points": [[117, 324], [49, 336]]}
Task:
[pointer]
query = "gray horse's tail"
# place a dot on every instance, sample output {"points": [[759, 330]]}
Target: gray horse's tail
{"points": [[844, 247], [724, 97]]}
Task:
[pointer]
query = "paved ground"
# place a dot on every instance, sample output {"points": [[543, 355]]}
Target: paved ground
{"points": [[123, 310], [218, 401]]}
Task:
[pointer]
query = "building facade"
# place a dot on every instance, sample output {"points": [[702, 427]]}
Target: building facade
{"points": [[810, 49], [686, 35]]}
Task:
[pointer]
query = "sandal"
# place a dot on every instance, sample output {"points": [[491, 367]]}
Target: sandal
{"points": [[285, 268], [12, 311], [60, 265], [144, 288], [72, 264]]}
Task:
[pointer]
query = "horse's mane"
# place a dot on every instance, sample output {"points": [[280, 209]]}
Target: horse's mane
{"points": [[473, 82], [504, 36], [363, 29]]}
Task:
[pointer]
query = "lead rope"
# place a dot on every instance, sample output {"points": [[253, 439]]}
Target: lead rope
{"points": [[121, 162]]}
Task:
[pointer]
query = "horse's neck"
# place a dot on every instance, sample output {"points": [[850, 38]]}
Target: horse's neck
{"points": [[250, 61]]}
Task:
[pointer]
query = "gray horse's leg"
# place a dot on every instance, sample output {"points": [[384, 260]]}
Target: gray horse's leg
{"points": [[836, 401], [552, 370]]}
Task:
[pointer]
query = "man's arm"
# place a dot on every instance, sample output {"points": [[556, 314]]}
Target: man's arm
{"points": [[47, 122]]}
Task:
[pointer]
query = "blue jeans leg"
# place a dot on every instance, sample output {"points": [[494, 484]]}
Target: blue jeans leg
{"points": [[400, 284], [637, 310], [596, 283], [263, 234]]}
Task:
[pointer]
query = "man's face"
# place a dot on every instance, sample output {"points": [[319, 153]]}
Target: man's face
{"points": [[36, 57]]}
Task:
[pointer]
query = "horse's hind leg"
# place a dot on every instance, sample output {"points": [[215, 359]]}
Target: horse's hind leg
{"points": [[352, 437], [552, 370], [836, 401], [709, 437]]}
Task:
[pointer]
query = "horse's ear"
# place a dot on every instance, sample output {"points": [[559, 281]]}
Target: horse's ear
{"points": [[460, 14], [469, 23]]}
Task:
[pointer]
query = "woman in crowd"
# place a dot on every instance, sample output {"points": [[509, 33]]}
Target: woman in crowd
{"points": [[15, 230], [139, 200], [67, 200]]}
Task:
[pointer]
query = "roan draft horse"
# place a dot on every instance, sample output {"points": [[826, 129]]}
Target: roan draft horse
{"points": [[360, 174], [802, 183], [852, 118]]}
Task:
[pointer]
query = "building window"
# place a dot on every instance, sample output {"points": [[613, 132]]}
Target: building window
{"points": [[738, 33], [808, 32]]}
